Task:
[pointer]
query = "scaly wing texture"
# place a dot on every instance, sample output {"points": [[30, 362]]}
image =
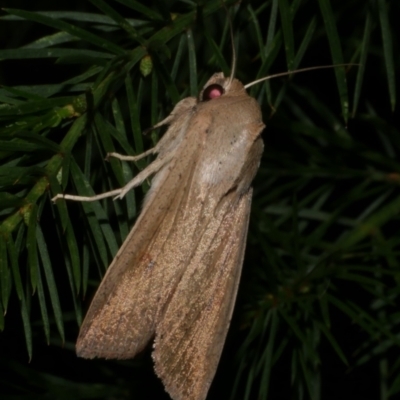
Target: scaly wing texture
{"points": [[177, 273], [140, 281], [191, 335]]}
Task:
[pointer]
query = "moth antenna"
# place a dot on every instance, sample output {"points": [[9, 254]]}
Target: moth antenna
{"points": [[295, 72], [233, 66]]}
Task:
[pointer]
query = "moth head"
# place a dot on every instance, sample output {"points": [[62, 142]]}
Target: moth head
{"points": [[218, 85]]}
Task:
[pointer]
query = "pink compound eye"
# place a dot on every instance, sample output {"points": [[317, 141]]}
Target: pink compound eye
{"points": [[212, 92]]}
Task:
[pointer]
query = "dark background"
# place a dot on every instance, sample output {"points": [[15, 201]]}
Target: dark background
{"points": [[55, 372]]}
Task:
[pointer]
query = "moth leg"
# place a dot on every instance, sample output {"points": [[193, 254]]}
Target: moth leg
{"points": [[153, 150], [165, 121], [151, 169], [163, 159], [87, 198], [179, 108], [131, 158]]}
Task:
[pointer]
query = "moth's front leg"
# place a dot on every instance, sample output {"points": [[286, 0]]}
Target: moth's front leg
{"points": [[151, 169], [166, 146], [176, 114], [124, 157]]}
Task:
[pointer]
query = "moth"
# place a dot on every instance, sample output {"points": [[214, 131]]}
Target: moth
{"points": [[176, 276]]}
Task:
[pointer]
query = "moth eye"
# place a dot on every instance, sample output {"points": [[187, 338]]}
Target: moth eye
{"points": [[212, 91]]}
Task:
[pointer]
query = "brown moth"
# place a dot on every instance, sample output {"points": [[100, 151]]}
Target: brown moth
{"points": [[175, 278]]}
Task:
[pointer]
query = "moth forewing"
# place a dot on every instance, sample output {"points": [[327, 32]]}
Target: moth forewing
{"points": [[121, 318], [190, 337], [176, 275]]}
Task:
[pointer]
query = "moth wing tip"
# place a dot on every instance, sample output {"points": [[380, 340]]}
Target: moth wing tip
{"points": [[82, 350]]}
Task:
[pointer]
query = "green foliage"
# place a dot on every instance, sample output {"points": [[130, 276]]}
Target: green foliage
{"points": [[320, 282]]}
